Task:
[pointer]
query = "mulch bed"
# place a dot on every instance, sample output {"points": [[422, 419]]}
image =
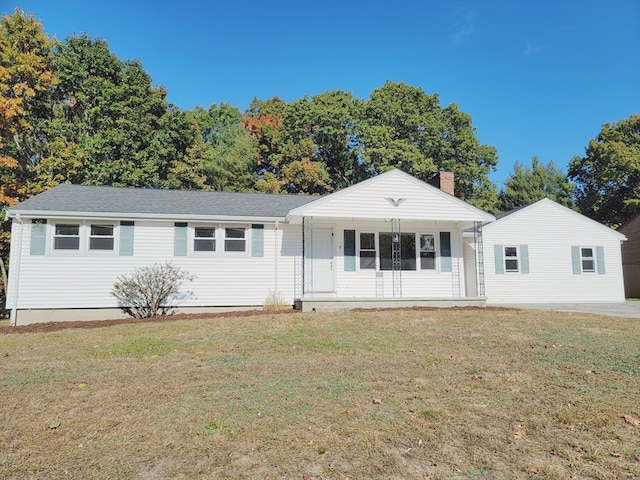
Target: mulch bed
{"points": [[55, 326]]}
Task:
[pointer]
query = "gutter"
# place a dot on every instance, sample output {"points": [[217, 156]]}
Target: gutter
{"points": [[141, 216]]}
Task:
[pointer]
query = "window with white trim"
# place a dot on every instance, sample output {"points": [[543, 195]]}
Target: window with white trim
{"points": [[235, 239], [66, 236], [511, 259], [204, 239], [101, 237], [367, 251], [587, 259], [427, 251]]}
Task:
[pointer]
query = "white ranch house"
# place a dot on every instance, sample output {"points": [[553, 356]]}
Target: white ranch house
{"points": [[388, 241]]}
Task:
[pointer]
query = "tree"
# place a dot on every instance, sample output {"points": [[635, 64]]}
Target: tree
{"points": [[129, 135], [608, 176], [405, 128], [262, 120], [324, 131], [230, 149], [26, 78], [528, 185]]}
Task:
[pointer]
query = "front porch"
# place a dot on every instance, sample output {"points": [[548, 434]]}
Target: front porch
{"points": [[324, 305]]}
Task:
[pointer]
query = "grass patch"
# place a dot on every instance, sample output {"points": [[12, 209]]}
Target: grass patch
{"points": [[137, 347], [391, 394]]}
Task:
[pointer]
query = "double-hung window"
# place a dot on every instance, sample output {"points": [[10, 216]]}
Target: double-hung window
{"points": [[101, 237], [235, 239], [427, 252], [66, 236], [204, 239], [367, 251], [511, 260], [587, 259]]}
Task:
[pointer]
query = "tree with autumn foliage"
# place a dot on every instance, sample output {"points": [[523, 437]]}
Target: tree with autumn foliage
{"points": [[26, 79]]}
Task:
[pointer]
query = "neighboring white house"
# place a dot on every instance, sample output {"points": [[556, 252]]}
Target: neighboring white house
{"points": [[390, 240], [548, 253]]}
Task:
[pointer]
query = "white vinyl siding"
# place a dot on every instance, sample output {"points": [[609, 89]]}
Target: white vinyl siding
{"points": [[220, 280], [546, 234], [368, 200]]}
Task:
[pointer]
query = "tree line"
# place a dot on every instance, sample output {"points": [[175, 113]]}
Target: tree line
{"points": [[72, 112]]}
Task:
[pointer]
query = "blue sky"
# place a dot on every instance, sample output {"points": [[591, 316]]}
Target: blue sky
{"points": [[538, 77]]}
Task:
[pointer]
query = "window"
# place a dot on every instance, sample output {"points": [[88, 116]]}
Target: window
{"points": [[511, 259], [101, 237], [367, 251], [587, 259], [204, 239], [66, 237], [405, 245], [234, 240], [427, 252]]}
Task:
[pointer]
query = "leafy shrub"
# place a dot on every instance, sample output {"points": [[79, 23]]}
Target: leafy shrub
{"points": [[152, 290]]}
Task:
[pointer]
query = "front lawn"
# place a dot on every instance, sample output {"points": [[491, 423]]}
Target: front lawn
{"points": [[397, 394]]}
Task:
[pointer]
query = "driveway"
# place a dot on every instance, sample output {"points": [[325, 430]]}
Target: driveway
{"points": [[622, 309]]}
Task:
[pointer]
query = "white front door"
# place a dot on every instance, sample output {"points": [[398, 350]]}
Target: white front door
{"points": [[322, 260]]}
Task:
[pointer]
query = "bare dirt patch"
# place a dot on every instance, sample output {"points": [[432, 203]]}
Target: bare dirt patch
{"points": [[394, 394]]}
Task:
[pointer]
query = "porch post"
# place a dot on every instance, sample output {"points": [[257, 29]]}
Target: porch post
{"points": [[396, 257]]}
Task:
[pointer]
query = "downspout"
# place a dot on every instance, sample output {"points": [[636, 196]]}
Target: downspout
{"points": [[15, 272], [277, 260], [304, 260]]}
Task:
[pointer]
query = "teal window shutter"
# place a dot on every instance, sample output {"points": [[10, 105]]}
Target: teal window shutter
{"points": [[575, 260], [38, 237], [445, 252], [126, 238], [257, 240], [349, 250], [180, 240], [524, 259], [498, 253], [600, 260]]}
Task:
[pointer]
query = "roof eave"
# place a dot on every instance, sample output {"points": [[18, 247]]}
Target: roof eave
{"points": [[140, 216]]}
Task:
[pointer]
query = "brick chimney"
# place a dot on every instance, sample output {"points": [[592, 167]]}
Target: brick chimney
{"points": [[443, 181]]}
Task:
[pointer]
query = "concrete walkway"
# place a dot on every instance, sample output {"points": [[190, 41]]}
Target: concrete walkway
{"points": [[622, 309]]}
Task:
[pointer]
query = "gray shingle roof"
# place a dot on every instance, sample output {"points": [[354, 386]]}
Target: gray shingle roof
{"points": [[98, 199]]}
